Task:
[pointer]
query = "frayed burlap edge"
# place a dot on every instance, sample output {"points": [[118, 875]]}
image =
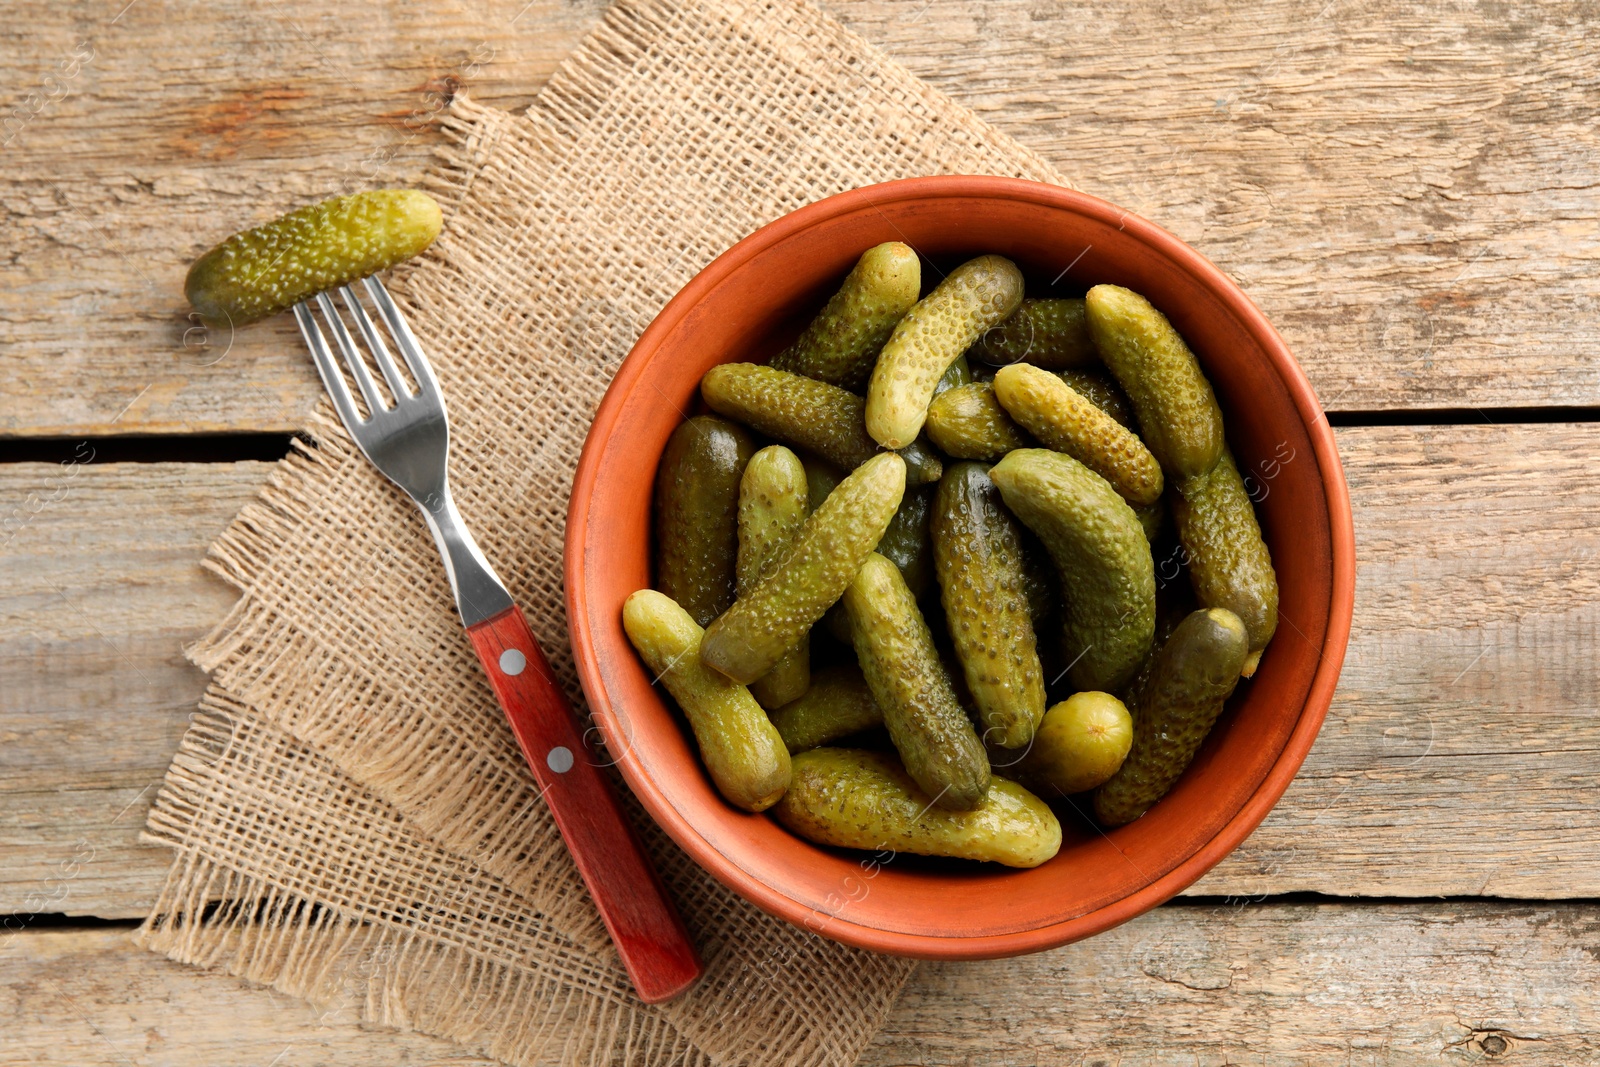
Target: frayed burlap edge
{"points": [[562, 1005]]}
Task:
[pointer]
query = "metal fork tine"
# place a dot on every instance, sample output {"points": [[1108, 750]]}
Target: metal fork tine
{"points": [[327, 366], [352, 354], [375, 345], [405, 340]]}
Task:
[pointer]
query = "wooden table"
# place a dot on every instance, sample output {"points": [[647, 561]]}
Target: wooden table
{"points": [[1409, 191]]}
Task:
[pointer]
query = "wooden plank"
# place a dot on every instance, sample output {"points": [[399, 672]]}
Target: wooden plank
{"points": [[100, 587], [1289, 985], [127, 142], [1390, 184], [1457, 758]]}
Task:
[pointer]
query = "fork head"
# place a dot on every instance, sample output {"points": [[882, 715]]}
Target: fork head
{"points": [[408, 439]]}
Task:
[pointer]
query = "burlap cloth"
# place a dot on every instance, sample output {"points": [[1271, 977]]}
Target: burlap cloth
{"points": [[351, 817]]}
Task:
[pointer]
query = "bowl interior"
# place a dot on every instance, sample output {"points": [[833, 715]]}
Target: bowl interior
{"points": [[748, 303]]}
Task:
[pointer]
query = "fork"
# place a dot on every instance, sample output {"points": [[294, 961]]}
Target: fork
{"points": [[409, 442]]}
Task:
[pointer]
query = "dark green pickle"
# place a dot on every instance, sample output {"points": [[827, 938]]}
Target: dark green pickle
{"points": [[697, 515]]}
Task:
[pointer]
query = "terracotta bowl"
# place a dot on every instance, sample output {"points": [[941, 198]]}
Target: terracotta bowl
{"points": [[750, 302]]}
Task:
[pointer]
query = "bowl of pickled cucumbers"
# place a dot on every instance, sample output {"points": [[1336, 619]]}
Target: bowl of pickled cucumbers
{"points": [[959, 567]]}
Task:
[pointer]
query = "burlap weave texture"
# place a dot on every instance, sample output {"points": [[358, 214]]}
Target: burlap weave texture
{"points": [[351, 791]]}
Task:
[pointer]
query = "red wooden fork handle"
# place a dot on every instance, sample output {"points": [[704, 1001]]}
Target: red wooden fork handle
{"points": [[649, 935]]}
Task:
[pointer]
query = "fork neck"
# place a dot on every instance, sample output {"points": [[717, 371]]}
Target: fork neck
{"points": [[478, 590]]}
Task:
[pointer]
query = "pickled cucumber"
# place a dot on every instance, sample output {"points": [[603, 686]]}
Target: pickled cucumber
{"points": [[1153, 519], [1173, 709], [854, 799], [697, 514], [1079, 745], [967, 422], [977, 549], [958, 374], [906, 543], [1229, 565], [841, 343], [837, 705], [807, 414], [926, 722], [821, 479], [264, 270], [1064, 420], [1101, 390], [743, 753], [850, 798], [1107, 575], [1177, 411], [976, 295], [1051, 333], [752, 635], [772, 507]]}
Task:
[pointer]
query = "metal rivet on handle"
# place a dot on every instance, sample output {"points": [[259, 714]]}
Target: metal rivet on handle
{"points": [[560, 759], [512, 662]]}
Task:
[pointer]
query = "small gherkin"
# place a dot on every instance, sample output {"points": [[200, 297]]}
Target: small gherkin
{"points": [[1174, 705], [841, 343], [269, 268], [1049, 333], [795, 590]]}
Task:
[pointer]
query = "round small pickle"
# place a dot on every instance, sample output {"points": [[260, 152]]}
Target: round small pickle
{"points": [[933, 334], [697, 514], [746, 640], [319, 247], [806, 414], [1174, 707], [773, 500], [967, 422], [848, 798], [742, 750], [841, 343], [1080, 744]]}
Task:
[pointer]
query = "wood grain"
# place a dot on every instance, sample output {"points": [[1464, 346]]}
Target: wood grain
{"points": [[1457, 758], [100, 587], [1407, 189], [1288, 985]]}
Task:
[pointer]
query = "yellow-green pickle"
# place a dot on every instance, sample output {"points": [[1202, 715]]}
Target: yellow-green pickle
{"points": [[1178, 414], [1229, 565], [926, 722], [1079, 745], [854, 799], [933, 334], [1064, 420], [967, 422], [772, 507], [258, 272], [806, 414], [746, 640], [837, 704], [977, 550], [841, 343], [1173, 708], [1108, 587], [1049, 333], [742, 750], [697, 514]]}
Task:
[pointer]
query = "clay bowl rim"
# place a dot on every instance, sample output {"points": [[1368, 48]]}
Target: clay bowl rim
{"points": [[1312, 712]]}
